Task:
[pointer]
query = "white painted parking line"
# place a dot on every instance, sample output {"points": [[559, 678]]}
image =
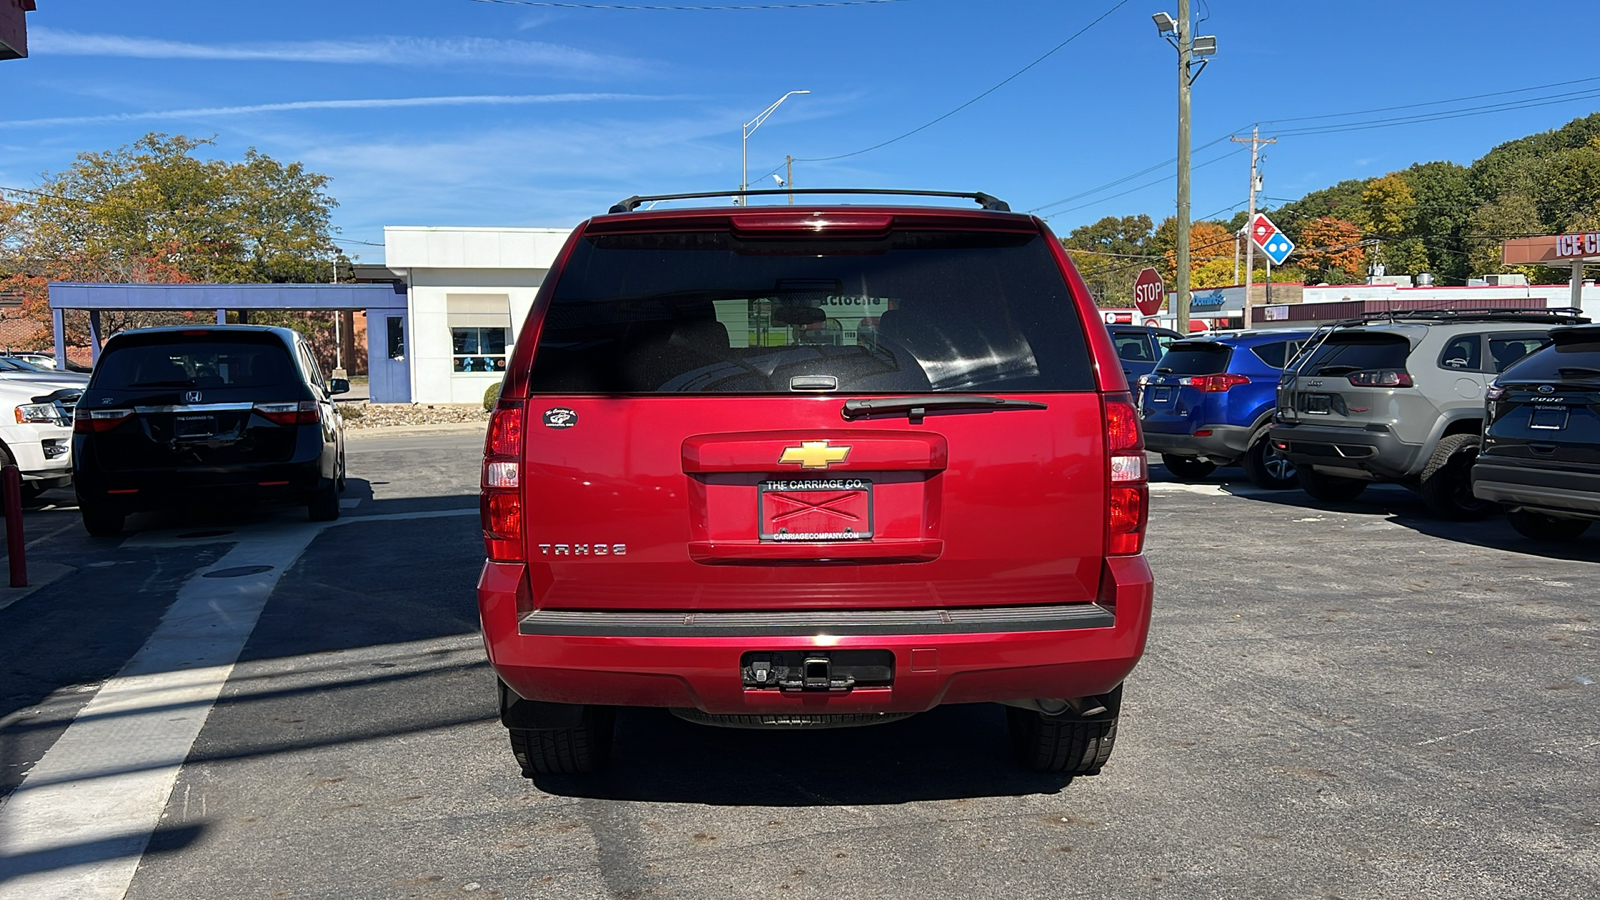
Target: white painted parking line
{"points": [[79, 823]]}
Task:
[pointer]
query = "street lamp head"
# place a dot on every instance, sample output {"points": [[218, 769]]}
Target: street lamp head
{"points": [[1204, 46], [1165, 23]]}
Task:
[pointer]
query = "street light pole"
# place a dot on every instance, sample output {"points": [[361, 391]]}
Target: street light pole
{"points": [[1178, 33], [745, 131]]}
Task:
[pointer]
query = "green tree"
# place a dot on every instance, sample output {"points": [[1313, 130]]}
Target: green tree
{"points": [[1388, 207], [1109, 254], [154, 211]]}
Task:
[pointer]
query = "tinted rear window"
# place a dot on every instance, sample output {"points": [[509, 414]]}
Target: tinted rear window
{"points": [[197, 364], [1357, 351], [712, 313], [1195, 358], [1574, 361]]}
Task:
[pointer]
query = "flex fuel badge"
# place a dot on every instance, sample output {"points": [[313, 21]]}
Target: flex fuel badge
{"points": [[560, 417]]}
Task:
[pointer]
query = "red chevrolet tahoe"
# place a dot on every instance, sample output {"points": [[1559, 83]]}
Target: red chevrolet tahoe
{"points": [[812, 466]]}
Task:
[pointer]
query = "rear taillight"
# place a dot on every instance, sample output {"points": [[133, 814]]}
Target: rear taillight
{"points": [[94, 421], [302, 413], [1213, 384], [1495, 392], [1381, 378], [500, 504], [1128, 511]]}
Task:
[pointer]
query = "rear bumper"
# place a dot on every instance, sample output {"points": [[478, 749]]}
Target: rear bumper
{"points": [[1224, 443], [158, 488], [1379, 453], [1559, 491], [663, 659]]}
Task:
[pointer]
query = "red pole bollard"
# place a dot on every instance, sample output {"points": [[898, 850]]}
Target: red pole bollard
{"points": [[16, 549]]}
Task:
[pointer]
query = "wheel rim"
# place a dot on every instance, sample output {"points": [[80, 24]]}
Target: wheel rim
{"points": [[1276, 465], [1460, 474]]}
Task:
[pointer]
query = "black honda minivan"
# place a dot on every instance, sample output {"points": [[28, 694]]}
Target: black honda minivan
{"points": [[206, 415]]}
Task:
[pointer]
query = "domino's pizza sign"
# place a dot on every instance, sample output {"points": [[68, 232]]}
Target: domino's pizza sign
{"points": [[1274, 243]]}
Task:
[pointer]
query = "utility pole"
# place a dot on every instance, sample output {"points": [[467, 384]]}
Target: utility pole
{"points": [[1255, 143], [1179, 34], [788, 162], [1181, 298]]}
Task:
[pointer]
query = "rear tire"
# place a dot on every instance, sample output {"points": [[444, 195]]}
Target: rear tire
{"points": [[100, 522], [1187, 468], [1268, 468], [1542, 527], [566, 751], [324, 505], [1447, 480], [1066, 744], [1329, 488]]}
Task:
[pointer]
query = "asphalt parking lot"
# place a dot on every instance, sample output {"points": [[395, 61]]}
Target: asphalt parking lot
{"points": [[1348, 702]]}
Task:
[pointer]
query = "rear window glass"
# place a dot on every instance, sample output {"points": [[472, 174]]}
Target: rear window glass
{"points": [[1357, 351], [195, 364], [709, 312], [1197, 358], [1133, 347], [1274, 354], [1566, 361]]}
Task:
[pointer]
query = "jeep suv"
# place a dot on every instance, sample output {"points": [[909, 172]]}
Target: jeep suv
{"points": [[1400, 398], [1209, 403], [815, 466], [1541, 438]]}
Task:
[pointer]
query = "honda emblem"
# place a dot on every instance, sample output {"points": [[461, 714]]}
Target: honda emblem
{"points": [[191, 396]]}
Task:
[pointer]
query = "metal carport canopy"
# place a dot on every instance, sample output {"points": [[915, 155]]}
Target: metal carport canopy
{"points": [[98, 297]]}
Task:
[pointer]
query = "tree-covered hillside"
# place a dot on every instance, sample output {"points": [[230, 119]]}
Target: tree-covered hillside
{"points": [[1437, 217]]}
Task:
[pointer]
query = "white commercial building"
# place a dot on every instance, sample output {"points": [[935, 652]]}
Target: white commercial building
{"points": [[468, 292]]}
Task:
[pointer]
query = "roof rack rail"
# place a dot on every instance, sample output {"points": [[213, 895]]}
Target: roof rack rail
{"points": [[987, 201], [1560, 315]]}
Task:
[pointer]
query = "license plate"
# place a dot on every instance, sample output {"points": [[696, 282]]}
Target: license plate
{"points": [[1316, 404], [815, 509], [1160, 394], [191, 427], [1549, 418]]}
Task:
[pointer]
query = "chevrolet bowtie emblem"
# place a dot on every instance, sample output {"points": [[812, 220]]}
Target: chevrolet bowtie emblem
{"points": [[813, 455]]}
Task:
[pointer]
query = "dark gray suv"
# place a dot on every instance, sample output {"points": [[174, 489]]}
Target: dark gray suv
{"points": [[1399, 398]]}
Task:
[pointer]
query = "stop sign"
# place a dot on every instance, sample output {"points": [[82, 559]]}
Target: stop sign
{"points": [[1148, 292]]}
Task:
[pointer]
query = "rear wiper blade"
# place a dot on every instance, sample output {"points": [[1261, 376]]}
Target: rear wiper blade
{"points": [[917, 407], [1578, 372]]}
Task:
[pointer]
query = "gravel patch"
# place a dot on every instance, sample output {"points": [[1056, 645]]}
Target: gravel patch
{"points": [[378, 415]]}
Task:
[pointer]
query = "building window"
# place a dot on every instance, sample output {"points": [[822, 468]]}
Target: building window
{"points": [[480, 331], [477, 349]]}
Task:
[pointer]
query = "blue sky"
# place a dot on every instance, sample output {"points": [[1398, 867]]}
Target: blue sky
{"points": [[464, 112]]}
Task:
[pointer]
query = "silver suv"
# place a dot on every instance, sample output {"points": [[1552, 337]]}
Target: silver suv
{"points": [[1399, 398]]}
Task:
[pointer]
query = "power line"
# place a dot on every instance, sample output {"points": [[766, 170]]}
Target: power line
{"points": [[630, 7], [1423, 118], [1133, 190], [1127, 178], [1008, 80], [1363, 112]]}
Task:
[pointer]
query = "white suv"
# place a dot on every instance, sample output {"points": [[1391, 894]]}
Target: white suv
{"points": [[36, 429]]}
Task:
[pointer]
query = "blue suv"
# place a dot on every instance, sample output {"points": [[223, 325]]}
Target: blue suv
{"points": [[1209, 403]]}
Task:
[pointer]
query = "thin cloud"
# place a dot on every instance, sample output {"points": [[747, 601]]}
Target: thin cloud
{"points": [[370, 103], [376, 51]]}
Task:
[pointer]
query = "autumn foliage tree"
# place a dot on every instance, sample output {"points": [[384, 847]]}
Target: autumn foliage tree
{"points": [[155, 212], [1332, 250]]}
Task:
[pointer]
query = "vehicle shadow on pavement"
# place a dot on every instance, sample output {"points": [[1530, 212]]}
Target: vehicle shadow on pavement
{"points": [[951, 752]]}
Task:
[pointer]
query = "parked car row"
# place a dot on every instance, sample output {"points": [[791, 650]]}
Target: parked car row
{"points": [[1477, 411]]}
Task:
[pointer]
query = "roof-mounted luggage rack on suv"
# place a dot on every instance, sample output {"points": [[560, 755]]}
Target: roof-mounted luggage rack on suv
{"points": [[1566, 315], [987, 201]]}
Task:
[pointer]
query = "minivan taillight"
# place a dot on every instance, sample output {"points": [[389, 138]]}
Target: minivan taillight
{"points": [[1214, 384], [1128, 509], [1381, 378], [302, 413], [94, 421], [500, 503]]}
